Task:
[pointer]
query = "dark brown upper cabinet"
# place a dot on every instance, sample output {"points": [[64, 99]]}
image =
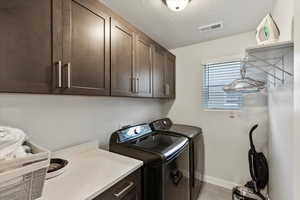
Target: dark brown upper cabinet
{"points": [[29, 46], [159, 71], [170, 76], [79, 47], [164, 74], [143, 67], [122, 59], [86, 49]]}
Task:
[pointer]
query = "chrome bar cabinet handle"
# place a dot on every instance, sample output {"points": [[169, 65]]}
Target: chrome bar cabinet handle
{"points": [[59, 73], [167, 89], [68, 66], [138, 85], [133, 84], [125, 190]]}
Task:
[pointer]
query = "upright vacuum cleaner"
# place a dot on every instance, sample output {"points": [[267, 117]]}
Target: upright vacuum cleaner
{"points": [[259, 171]]}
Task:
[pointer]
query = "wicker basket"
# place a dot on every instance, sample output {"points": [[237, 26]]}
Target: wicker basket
{"points": [[23, 179]]}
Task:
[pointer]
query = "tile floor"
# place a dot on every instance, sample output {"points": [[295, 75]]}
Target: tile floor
{"points": [[213, 192]]}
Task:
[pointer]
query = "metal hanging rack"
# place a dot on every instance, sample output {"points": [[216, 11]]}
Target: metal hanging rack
{"points": [[274, 62], [275, 65]]}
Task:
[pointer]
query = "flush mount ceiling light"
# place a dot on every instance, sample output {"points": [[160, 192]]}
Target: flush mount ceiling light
{"points": [[177, 5]]}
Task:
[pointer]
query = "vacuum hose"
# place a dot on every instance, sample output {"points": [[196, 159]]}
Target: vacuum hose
{"points": [[251, 136]]}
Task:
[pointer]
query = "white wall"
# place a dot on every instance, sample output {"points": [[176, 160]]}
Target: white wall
{"points": [[56, 122], [226, 138], [281, 119], [282, 13], [296, 136], [281, 137]]}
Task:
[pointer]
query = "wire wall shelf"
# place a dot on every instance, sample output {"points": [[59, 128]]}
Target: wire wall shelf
{"points": [[276, 63]]}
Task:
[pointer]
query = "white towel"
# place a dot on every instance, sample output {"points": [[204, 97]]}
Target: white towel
{"points": [[11, 139]]}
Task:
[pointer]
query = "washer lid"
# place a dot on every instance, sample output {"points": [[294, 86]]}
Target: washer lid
{"points": [[167, 125], [166, 145], [188, 131]]}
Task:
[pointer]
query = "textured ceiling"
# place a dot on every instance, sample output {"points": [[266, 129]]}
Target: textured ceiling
{"points": [[176, 29]]}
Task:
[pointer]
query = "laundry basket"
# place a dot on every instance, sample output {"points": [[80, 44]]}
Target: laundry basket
{"points": [[23, 179]]}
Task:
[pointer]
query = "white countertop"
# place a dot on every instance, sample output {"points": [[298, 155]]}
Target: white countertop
{"points": [[90, 172]]}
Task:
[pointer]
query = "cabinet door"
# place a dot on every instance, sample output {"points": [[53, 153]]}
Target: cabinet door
{"points": [[133, 195], [170, 76], [159, 69], [127, 189], [143, 67], [85, 49], [122, 59], [29, 46]]}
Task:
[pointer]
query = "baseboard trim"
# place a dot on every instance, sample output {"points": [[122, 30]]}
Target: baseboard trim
{"points": [[219, 182]]}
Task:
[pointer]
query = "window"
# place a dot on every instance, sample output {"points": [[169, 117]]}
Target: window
{"points": [[215, 77]]}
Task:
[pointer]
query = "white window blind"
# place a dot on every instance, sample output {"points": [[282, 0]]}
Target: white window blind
{"points": [[215, 77]]}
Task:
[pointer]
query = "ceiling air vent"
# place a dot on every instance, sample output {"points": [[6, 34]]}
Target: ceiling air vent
{"points": [[211, 27]]}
